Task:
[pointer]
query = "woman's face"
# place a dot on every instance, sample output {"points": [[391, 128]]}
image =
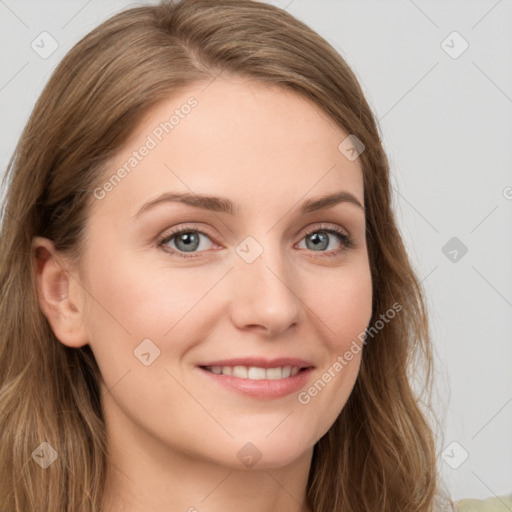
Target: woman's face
{"points": [[263, 283]]}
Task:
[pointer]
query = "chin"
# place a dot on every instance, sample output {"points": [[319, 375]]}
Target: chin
{"points": [[261, 450]]}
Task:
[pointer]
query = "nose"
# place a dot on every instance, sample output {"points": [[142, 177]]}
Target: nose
{"points": [[264, 296]]}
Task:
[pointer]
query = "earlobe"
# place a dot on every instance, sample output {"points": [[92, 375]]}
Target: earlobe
{"points": [[57, 298]]}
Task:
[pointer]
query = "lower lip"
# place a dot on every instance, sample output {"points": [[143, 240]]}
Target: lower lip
{"points": [[264, 388]]}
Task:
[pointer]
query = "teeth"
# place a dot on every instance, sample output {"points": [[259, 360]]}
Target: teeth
{"points": [[254, 372], [240, 371], [274, 373]]}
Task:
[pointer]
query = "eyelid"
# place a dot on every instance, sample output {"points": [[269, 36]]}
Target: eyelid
{"points": [[324, 226]]}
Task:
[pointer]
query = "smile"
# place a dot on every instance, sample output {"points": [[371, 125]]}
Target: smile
{"points": [[255, 372], [256, 381]]}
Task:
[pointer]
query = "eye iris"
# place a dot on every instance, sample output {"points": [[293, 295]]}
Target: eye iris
{"points": [[319, 239], [190, 239]]}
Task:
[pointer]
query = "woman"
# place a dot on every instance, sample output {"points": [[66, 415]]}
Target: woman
{"points": [[206, 301]]}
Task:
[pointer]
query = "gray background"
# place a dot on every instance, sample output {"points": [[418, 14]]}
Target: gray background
{"points": [[447, 127]]}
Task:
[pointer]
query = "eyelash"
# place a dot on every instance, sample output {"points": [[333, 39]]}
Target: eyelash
{"points": [[346, 241]]}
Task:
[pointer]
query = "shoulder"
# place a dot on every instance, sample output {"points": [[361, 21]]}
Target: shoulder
{"points": [[496, 504]]}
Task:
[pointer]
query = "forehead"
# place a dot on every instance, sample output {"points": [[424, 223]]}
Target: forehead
{"points": [[253, 142]]}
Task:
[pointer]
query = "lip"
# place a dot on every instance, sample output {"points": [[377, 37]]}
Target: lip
{"points": [[260, 362], [264, 389]]}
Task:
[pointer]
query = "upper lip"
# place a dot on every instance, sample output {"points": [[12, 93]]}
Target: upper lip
{"points": [[260, 362]]}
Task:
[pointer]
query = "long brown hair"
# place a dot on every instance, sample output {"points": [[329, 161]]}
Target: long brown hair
{"points": [[379, 455]]}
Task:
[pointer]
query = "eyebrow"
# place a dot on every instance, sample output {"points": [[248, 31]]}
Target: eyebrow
{"points": [[224, 205]]}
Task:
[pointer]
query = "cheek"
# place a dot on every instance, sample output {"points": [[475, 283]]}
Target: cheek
{"points": [[345, 309], [344, 304], [143, 301], [134, 302]]}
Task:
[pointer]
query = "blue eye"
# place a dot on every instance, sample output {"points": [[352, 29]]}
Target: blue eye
{"points": [[319, 239], [188, 240]]}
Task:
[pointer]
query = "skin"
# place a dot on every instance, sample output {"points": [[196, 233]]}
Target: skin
{"points": [[174, 434]]}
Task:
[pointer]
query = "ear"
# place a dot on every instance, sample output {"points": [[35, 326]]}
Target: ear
{"points": [[60, 294]]}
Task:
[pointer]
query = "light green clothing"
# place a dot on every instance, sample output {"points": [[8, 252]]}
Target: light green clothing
{"points": [[498, 504]]}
